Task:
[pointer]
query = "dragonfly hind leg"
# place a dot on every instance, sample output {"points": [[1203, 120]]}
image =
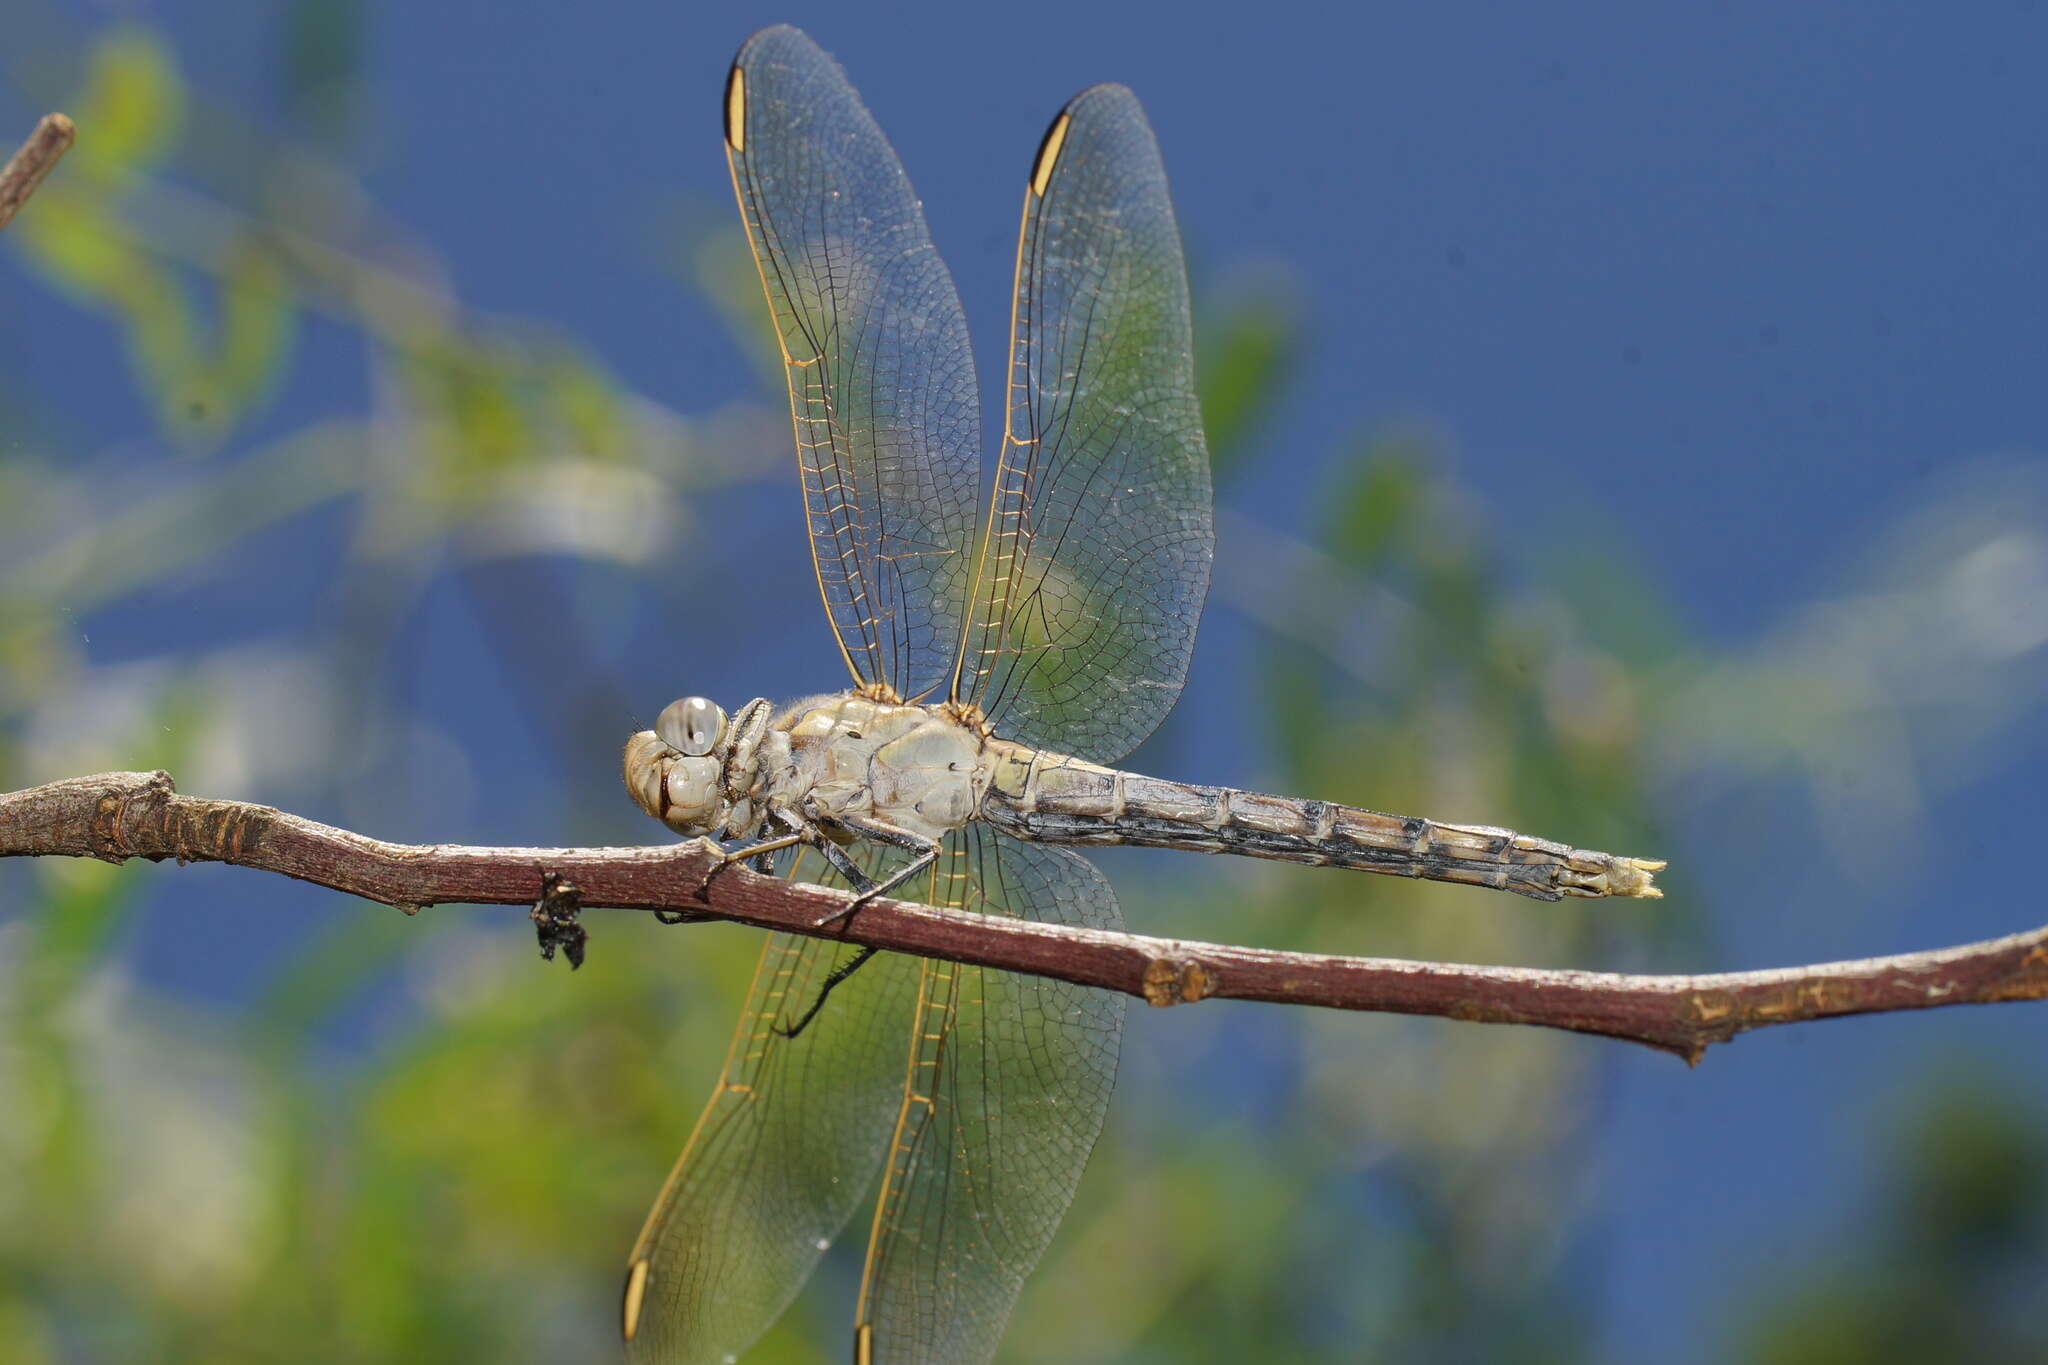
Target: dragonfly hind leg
{"points": [[839, 974], [865, 888]]}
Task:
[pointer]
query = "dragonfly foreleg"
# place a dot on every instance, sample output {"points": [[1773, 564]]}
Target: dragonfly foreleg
{"points": [[755, 852]]}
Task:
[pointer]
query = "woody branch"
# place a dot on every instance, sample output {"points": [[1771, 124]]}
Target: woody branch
{"points": [[35, 159], [117, 816]]}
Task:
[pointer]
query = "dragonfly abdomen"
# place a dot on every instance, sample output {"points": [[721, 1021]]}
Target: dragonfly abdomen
{"points": [[1053, 798]]}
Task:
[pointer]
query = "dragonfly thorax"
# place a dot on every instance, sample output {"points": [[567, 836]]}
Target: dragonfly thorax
{"points": [[828, 761], [846, 757]]}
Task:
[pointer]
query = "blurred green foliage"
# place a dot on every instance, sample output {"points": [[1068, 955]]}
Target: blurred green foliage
{"points": [[1952, 1252], [202, 377], [218, 1183]]}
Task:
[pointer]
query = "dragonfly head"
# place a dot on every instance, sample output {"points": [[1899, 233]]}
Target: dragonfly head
{"points": [[676, 771]]}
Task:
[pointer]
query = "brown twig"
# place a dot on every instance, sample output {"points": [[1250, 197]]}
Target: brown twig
{"points": [[116, 816], [36, 158]]}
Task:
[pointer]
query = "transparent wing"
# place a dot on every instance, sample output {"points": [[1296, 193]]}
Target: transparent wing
{"points": [[881, 381], [789, 1145], [1008, 1082], [1100, 526]]}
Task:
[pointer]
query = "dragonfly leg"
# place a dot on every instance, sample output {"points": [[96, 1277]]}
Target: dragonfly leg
{"points": [[863, 885], [761, 848], [926, 851], [839, 974], [802, 830], [842, 862], [754, 851]]}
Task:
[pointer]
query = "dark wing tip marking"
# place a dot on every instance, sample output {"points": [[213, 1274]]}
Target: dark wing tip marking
{"points": [[1055, 138], [635, 1298], [736, 108], [1049, 152], [765, 42]]}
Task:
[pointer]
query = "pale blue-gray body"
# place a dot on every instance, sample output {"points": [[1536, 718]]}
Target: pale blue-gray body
{"points": [[845, 761]]}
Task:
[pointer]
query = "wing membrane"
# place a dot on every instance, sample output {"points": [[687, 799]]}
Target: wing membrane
{"points": [[981, 1138], [881, 382], [787, 1148], [1099, 530], [1008, 1082]]}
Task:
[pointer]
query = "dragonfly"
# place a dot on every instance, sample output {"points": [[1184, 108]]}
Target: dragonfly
{"points": [[999, 663]]}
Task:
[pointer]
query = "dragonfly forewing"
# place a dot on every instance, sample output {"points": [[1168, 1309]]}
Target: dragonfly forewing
{"points": [[882, 390], [1099, 534]]}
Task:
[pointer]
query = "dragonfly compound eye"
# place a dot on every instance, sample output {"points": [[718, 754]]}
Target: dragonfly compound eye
{"points": [[692, 725], [692, 785]]}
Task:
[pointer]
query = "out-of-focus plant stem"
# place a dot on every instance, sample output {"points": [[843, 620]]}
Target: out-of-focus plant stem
{"points": [[36, 158]]}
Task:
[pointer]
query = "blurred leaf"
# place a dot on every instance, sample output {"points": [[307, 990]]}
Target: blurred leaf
{"points": [[333, 970], [76, 243], [92, 257], [82, 907], [257, 316], [323, 55], [1293, 685], [1975, 1176], [723, 267], [464, 387], [1242, 359], [127, 548], [1620, 611], [586, 404], [131, 112], [83, 248], [36, 649], [1378, 498], [201, 384], [1947, 1258], [25, 1337]]}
